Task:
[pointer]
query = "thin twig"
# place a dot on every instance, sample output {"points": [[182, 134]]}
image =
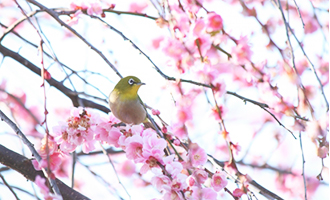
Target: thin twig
{"points": [[14, 25], [302, 21], [109, 158], [8, 186], [55, 16], [303, 166], [278, 121], [264, 107], [20, 189], [145, 55]]}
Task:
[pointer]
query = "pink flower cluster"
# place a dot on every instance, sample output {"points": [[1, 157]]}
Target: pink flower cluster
{"points": [[78, 130], [143, 146]]}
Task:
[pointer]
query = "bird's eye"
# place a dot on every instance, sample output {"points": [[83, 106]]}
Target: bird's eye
{"points": [[131, 81]]}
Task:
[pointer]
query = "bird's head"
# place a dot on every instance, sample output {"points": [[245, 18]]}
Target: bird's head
{"points": [[129, 86]]}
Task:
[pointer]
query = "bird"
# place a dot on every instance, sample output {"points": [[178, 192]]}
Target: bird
{"points": [[125, 102]]}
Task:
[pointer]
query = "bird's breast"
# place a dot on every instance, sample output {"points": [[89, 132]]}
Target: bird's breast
{"points": [[128, 111]]}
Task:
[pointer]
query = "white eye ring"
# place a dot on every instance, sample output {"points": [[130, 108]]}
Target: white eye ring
{"points": [[131, 81]]}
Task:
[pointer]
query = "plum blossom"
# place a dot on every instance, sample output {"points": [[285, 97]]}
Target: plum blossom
{"points": [[155, 112], [137, 7], [128, 132], [198, 27], [173, 48], [41, 183], [179, 182], [127, 168], [219, 181], [197, 156], [134, 149], [153, 146], [172, 167], [173, 195], [107, 133], [238, 192], [54, 156], [94, 8], [203, 193], [200, 175], [152, 151], [161, 182], [213, 22], [241, 53], [78, 130], [55, 161]]}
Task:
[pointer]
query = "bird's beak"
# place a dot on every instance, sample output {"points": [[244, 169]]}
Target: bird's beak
{"points": [[140, 83]]}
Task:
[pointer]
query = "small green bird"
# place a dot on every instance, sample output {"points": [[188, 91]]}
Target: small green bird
{"points": [[125, 103]]}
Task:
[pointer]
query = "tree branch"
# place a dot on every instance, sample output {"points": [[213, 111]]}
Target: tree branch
{"points": [[69, 93], [24, 166]]}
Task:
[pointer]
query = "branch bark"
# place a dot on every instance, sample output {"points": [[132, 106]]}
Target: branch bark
{"points": [[24, 166]]}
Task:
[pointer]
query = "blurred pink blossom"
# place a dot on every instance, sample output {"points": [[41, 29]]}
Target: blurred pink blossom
{"points": [[127, 168], [213, 22], [137, 7], [219, 181], [241, 53]]}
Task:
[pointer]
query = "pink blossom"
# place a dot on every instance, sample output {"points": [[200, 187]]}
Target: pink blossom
{"points": [[176, 142], [95, 8], [137, 7], [127, 168], [182, 24], [219, 181], [323, 151], [200, 45], [52, 147], [238, 193], [150, 163], [200, 175], [41, 183], [105, 132], [191, 181], [213, 22], [79, 6], [164, 129], [153, 146], [161, 182], [219, 87], [74, 18], [172, 195], [203, 193], [179, 182], [155, 112], [156, 42], [172, 167], [198, 27], [55, 161], [173, 48], [235, 148], [197, 156], [78, 130], [311, 25], [134, 149], [241, 53]]}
